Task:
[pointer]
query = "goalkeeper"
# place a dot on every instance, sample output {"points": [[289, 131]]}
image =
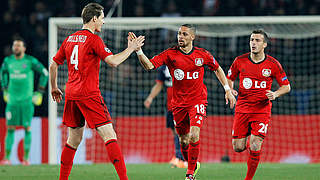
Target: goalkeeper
{"points": [[17, 79]]}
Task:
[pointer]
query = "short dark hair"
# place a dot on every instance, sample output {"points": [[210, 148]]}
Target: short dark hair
{"points": [[190, 26], [262, 32], [20, 39], [91, 10]]}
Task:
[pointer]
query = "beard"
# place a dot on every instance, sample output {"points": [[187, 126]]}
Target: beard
{"points": [[183, 45], [17, 53]]}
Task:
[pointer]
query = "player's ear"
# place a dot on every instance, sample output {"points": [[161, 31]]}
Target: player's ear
{"points": [[193, 36], [94, 19], [265, 44]]}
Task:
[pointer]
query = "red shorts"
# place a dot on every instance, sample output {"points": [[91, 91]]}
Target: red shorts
{"points": [[93, 110], [252, 123], [185, 117]]}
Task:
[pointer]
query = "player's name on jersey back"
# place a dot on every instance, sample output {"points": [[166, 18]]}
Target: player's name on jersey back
{"points": [[77, 38]]}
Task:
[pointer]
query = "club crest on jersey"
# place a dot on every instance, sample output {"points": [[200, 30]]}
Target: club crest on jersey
{"points": [[198, 61], [229, 72], [107, 50], [266, 72]]}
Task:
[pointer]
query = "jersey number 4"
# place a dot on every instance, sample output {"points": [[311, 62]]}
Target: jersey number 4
{"points": [[74, 57]]}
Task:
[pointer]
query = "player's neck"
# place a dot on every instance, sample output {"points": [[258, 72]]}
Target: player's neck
{"points": [[20, 56], [186, 49], [257, 57], [89, 27]]}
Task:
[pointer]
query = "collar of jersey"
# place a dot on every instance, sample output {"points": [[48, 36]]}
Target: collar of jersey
{"points": [[86, 30], [265, 57], [187, 53]]}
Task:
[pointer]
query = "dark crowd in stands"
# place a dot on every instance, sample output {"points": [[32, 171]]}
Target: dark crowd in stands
{"points": [[29, 18]]}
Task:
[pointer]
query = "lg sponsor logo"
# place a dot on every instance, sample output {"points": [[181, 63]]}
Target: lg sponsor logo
{"points": [[247, 83], [180, 75]]}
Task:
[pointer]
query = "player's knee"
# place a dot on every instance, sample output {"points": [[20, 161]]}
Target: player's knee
{"points": [[194, 137], [255, 146], [238, 147], [184, 141], [74, 141]]}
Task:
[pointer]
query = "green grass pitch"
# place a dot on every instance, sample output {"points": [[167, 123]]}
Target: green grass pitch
{"points": [[216, 171]]}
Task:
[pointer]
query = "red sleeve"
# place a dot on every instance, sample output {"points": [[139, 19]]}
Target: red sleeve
{"points": [[100, 48], [159, 59], [233, 72], [210, 61], [280, 75], [61, 55]]}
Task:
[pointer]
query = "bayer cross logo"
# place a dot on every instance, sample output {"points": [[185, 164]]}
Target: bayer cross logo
{"points": [[178, 74], [266, 72], [198, 61], [107, 50]]}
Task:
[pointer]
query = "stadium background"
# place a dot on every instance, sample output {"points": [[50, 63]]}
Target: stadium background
{"points": [[29, 19]]}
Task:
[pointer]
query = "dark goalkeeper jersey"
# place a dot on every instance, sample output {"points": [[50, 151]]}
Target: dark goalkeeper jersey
{"points": [[17, 76]]}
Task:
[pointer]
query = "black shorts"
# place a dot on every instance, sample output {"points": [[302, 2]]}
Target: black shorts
{"points": [[170, 123]]}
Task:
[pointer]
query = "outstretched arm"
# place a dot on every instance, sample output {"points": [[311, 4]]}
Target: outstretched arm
{"points": [[144, 60], [133, 44], [223, 80], [153, 93]]}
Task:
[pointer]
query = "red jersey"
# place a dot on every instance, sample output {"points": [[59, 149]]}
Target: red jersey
{"points": [[255, 80], [187, 71], [83, 51]]}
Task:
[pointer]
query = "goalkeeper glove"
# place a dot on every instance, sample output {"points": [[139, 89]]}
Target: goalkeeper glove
{"points": [[37, 98], [5, 96]]}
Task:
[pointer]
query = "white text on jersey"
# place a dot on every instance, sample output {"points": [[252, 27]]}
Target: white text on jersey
{"points": [[77, 38]]}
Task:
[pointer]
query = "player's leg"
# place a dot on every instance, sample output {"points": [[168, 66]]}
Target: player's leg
{"points": [[97, 116], [27, 114], [69, 150], [182, 126], [12, 117], [240, 132], [197, 114], [239, 145], [254, 156], [177, 160], [259, 125], [114, 152], [74, 120]]}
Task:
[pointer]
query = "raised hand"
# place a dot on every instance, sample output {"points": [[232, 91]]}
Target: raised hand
{"points": [[132, 38], [56, 94]]}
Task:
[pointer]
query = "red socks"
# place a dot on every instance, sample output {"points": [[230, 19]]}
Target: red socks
{"points": [[114, 154], [67, 156], [116, 158], [252, 163], [193, 154], [184, 151]]}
